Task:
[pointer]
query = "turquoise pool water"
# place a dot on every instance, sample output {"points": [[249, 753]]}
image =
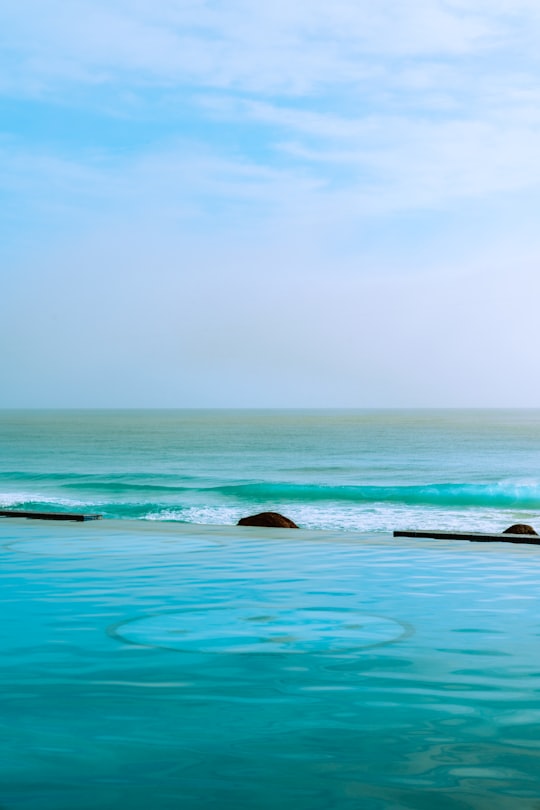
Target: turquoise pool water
{"points": [[155, 665]]}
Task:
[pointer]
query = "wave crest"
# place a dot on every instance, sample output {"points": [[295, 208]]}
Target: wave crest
{"points": [[504, 495]]}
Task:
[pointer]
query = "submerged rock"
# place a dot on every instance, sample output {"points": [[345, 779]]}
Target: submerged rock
{"points": [[268, 519], [520, 528]]}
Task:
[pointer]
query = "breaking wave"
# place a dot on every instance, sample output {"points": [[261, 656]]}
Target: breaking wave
{"points": [[503, 495]]}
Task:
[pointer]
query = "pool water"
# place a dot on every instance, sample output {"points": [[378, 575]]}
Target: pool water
{"points": [[177, 666]]}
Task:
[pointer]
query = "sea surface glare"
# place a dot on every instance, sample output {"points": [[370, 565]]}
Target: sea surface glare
{"points": [[149, 661]]}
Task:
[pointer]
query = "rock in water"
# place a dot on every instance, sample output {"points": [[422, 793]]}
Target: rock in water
{"points": [[520, 528], [268, 519]]}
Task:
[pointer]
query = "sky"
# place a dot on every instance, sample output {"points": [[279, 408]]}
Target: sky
{"points": [[269, 204]]}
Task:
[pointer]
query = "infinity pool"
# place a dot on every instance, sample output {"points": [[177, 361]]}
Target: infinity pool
{"points": [[163, 666]]}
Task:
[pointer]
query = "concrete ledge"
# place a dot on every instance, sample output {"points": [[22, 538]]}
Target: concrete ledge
{"points": [[47, 515], [474, 537]]}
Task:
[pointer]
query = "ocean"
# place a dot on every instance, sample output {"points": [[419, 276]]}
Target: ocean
{"points": [[165, 658], [363, 471]]}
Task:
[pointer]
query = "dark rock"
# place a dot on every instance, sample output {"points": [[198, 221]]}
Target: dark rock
{"points": [[520, 528], [268, 519]]}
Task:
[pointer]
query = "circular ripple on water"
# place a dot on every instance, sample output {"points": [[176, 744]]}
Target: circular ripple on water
{"points": [[255, 630]]}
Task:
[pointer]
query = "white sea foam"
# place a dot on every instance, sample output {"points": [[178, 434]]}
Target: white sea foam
{"points": [[373, 518], [388, 517], [211, 515], [12, 499]]}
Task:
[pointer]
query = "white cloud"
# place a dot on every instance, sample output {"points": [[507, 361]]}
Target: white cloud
{"points": [[332, 191], [389, 161], [268, 47], [403, 105], [327, 172]]}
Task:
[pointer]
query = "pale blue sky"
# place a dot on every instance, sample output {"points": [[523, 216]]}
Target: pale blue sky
{"points": [[269, 204]]}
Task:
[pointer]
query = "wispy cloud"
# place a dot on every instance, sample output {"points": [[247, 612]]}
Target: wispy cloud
{"points": [[363, 169], [396, 105], [278, 47]]}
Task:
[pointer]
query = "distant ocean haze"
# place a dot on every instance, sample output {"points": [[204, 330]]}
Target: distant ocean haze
{"points": [[367, 471]]}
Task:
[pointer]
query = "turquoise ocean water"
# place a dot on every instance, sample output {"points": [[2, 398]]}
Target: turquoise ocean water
{"points": [[345, 470], [150, 661]]}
